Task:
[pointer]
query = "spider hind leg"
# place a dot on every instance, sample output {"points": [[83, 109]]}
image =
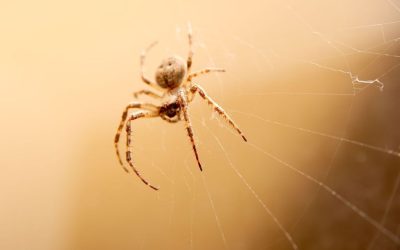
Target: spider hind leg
{"points": [[133, 105], [190, 54]]}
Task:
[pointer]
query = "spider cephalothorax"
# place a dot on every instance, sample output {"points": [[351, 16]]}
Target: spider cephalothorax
{"points": [[174, 80], [171, 111]]}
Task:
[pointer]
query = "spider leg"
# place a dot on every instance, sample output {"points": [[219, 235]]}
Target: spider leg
{"points": [[196, 88], [148, 93], [191, 92], [202, 72], [190, 55], [133, 105], [142, 59], [135, 116], [184, 107]]}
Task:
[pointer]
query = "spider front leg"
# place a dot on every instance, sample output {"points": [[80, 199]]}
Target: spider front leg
{"points": [[128, 142], [184, 107], [133, 105], [196, 88]]}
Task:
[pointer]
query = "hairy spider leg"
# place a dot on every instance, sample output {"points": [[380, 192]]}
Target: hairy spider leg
{"points": [[133, 105], [203, 72], [196, 88], [190, 54], [142, 60], [135, 116], [148, 93], [188, 124]]}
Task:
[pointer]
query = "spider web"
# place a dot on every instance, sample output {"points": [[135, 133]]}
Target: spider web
{"points": [[315, 90], [314, 86], [352, 83]]}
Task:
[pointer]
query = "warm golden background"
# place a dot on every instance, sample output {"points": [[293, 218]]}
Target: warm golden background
{"points": [[67, 68]]}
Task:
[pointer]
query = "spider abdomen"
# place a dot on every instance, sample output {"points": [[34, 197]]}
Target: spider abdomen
{"points": [[171, 72]]}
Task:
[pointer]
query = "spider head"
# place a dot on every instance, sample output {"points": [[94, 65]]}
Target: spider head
{"points": [[171, 72]]}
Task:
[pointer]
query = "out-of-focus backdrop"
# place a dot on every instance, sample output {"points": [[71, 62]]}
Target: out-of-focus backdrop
{"points": [[313, 84]]}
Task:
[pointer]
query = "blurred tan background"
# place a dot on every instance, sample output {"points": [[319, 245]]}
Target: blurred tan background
{"points": [[67, 69]]}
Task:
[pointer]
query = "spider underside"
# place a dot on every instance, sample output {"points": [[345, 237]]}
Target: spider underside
{"points": [[174, 79]]}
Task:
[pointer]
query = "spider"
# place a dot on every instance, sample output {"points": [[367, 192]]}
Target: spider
{"points": [[173, 78]]}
